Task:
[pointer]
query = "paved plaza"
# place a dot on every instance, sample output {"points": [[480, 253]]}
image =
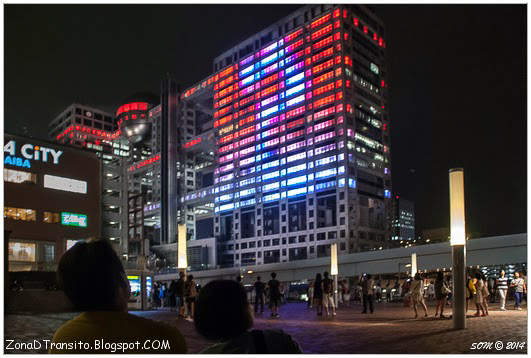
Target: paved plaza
{"points": [[391, 329]]}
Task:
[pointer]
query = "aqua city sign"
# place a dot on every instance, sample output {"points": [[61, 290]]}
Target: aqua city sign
{"points": [[27, 153]]}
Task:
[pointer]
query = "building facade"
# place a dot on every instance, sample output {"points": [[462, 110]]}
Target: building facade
{"points": [[403, 224], [302, 137], [51, 200]]}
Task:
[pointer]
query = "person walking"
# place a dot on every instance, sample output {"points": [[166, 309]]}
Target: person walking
{"points": [[519, 289], [441, 294], [310, 295], [259, 288], [274, 295], [492, 289], [486, 294], [318, 294], [417, 294], [328, 294], [471, 287], [502, 285], [367, 287], [478, 298], [179, 295], [190, 294]]}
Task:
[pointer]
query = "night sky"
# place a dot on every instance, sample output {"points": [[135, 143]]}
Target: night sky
{"points": [[457, 78]]}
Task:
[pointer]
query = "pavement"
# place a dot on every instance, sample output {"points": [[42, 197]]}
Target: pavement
{"points": [[391, 329]]}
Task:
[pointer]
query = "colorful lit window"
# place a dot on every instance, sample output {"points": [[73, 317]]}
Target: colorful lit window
{"points": [[270, 132], [297, 180], [269, 100], [246, 120], [247, 171], [295, 112], [296, 168], [294, 90], [268, 49], [226, 129], [321, 32], [294, 46], [247, 192], [324, 149], [269, 90], [271, 175], [269, 111], [325, 161], [225, 158], [222, 121], [294, 57], [247, 60], [272, 164], [246, 141], [246, 151], [295, 192], [295, 67], [326, 185], [270, 121], [269, 59], [294, 79], [324, 42], [226, 207], [269, 79], [296, 157], [323, 89], [246, 161], [320, 21], [271, 143], [226, 81], [294, 101], [325, 53], [326, 173], [246, 182], [226, 168], [295, 123], [295, 146], [323, 113], [293, 35], [323, 66], [271, 197], [323, 137], [324, 125], [324, 77], [324, 101], [246, 101], [295, 134], [246, 131], [247, 80], [226, 177]]}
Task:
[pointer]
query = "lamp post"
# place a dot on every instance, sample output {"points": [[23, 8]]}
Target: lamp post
{"points": [[333, 269], [457, 241], [413, 264], [182, 260]]}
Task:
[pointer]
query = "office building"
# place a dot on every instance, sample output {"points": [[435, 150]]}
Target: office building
{"points": [[403, 223]]}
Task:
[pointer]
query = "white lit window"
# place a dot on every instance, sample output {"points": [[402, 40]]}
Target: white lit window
{"points": [[65, 184]]}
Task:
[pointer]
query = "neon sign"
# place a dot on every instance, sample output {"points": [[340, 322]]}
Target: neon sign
{"points": [[29, 152], [71, 219]]}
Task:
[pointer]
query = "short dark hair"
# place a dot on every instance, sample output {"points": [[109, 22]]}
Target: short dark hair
{"points": [[91, 275], [273, 274], [222, 311], [325, 274], [258, 278], [478, 275]]}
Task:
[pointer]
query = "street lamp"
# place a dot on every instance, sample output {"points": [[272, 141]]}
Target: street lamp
{"points": [[413, 264], [457, 241], [182, 261], [333, 268]]}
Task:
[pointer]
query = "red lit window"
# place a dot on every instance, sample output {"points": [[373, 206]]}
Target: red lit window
{"points": [[324, 42], [247, 100], [323, 89], [295, 123], [349, 109], [337, 36], [337, 24], [339, 96], [293, 36], [269, 79], [337, 12], [269, 90], [323, 113], [375, 37], [321, 32], [322, 66], [133, 116], [223, 120], [383, 83], [365, 30], [295, 112], [348, 61], [324, 77], [324, 101], [338, 72], [345, 36], [295, 134], [329, 51], [246, 131], [320, 21], [356, 22], [134, 106], [380, 42], [226, 81], [226, 72], [338, 60], [222, 112], [294, 46], [385, 126], [246, 120], [344, 14]]}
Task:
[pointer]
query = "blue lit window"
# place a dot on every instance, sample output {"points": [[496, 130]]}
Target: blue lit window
{"points": [[295, 100], [341, 182], [223, 188], [271, 175], [295, 79], [296, 168], [325, 161], [295, 157], [272, 164], [246, 70], [247, 161], [295, 90], [270, 100], [295, 67], [270, 187], [269, 69], [246, 182], [387, 193], [268, 49], [271, 197], [247, 80], [295, 192], [269, 59], [247, 202], [247, 171], [351, 183], [324, 186], [271, 110], [226, 207], [297, 180], [226, 177], [247, 192], [326, 173]]}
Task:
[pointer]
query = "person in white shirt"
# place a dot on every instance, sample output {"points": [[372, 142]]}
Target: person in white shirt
{"points": [[417, 294]]}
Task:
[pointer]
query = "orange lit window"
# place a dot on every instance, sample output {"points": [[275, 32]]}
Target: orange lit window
{"points": [[269, 90], [329, 51], [293, 36], [323, 66], [226, 72], [323, 89], [269, 79], [295, 112], [324, 101], [247, 100], [223, 120], [324, 42], [320, 21], [324, 77], [321, 32], [246, 120], [337, 12]]}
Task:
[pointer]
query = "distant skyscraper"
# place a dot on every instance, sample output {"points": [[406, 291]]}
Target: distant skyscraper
{"points": [[302, 128], [403, 223]]}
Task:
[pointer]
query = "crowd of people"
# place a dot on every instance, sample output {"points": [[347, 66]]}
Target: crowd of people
{"points": [[93, 278]]}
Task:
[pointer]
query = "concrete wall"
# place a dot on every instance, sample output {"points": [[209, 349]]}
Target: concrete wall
{"points": [[486, 251]]}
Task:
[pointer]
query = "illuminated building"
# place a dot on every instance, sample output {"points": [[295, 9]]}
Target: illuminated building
{"points": [[51, 199], [302, 136], [403, 224]]}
